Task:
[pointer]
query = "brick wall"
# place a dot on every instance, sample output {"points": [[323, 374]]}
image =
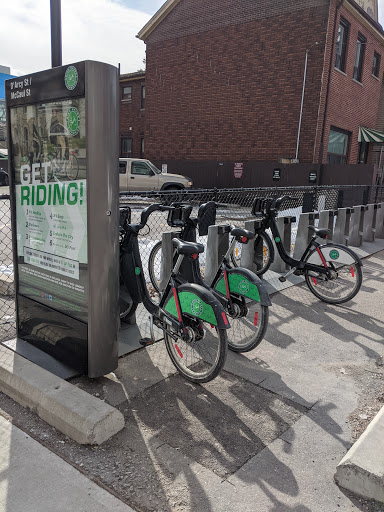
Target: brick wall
{"points": [[224, 80], [132, 117]]}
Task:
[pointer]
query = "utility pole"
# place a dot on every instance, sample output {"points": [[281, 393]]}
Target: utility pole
{"points": [[56, 55]]}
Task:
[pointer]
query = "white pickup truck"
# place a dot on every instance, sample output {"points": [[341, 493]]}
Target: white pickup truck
{"points": [[140, 174]]}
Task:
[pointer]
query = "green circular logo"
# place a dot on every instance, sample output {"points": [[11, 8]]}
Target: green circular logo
{"points": [[197, 307], [137, 271], [334, 254], [243, 286], [73, 121], [277, 239], [71, 78]]}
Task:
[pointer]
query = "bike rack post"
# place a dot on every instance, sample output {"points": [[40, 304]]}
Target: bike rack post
{"points": [[248, 252], [356, 226], [379, 227], [303, 236], [284, 225], [369, 223], [327, 221], [341, 231], [166, 257], [217, 246]]}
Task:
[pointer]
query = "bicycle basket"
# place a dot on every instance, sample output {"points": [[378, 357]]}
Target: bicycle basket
{"points": [[206, 217]]}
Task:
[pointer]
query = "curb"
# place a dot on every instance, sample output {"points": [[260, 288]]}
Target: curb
{"points": [[362, 468], [82, 417]]}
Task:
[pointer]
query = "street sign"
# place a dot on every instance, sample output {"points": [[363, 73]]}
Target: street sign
{"points": [[238, 170], [276, 174]]}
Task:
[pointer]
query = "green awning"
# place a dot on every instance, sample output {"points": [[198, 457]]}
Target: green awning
{"points": [[369, 135]]}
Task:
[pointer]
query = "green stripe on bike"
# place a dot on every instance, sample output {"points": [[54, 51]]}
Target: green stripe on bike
{"points": [[192, 305], [240, 285]]}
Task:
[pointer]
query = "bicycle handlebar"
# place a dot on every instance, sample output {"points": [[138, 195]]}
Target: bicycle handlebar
{"points": [[153, 208], [279, 200]]}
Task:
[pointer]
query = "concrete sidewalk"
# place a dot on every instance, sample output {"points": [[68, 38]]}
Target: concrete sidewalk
{"points": [[265, 436]]}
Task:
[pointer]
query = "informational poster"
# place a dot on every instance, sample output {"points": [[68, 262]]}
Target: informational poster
{"points": [[49, 155], [238, 170]]}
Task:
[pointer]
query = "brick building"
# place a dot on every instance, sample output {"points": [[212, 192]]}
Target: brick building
{"points": [[132, 110], [224, 84]]}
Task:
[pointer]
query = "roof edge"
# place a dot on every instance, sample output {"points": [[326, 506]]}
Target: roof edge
{"points": [[156, 19]]}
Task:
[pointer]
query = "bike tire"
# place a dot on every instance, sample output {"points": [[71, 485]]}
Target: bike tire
{"points": [[126, 309], [154, 266], [246, 334], [201, 360], [72, 167], [346, 282], [268, 253]]}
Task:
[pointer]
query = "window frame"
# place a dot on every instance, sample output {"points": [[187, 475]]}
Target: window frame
{"points": [[343, 158], [127, 154], [359, 58], [129, 97], [142, 146], [376, 64], [341, 56], [143, 164], [142, 97]]}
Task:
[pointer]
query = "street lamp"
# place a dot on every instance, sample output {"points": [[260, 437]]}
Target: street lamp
{"points": [[302, 97]]}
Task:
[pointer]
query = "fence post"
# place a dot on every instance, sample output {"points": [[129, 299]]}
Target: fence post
{"points": [[284, 225], [341, 231], [327, 221], [356, 226], [166, 257], [379, 227], [303, 234], [217, 246], [369, 223]]}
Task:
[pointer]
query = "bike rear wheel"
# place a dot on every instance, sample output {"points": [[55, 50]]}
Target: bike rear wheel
{"points": [[346, 278], [248, 331], [201, 359], [264, 260]]}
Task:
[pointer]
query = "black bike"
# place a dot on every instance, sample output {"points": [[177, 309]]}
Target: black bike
{"points": [[192, 320]]}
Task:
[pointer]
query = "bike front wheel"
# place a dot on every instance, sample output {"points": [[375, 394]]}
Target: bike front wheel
{"points": [[345, 274], [154, 266], [264, 253], [202, 357], [72, 167], [246, 332]]}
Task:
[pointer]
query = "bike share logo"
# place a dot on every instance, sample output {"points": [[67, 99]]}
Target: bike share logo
{"points": [[197, 307], [71, 78], [334, 254], [73, 121], [243, 286]]}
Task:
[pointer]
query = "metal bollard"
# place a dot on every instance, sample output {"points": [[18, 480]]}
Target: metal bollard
{"points": [[166, 257], [356, 226], [341, 231], [284, 225], [327, 221], [303, 234], [369, 223], [379, 227], [217, 246], [249, 253]]}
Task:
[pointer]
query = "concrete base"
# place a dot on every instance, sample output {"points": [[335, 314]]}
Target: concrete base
{"points": [[82, 417], [362, 468]]}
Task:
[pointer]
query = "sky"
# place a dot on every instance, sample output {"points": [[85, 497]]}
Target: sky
{"points": [[103, 30]]}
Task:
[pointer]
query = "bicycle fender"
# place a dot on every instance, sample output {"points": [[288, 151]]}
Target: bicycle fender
{"points": [[334, 252], [245, 283], [200, 303]]}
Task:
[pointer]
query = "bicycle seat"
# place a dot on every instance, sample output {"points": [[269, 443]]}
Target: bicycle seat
{"points": [[322, 233], [187, 247], [242, 235]]}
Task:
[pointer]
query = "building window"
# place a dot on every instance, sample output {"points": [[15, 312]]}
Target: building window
{"points": [[337, 146], [126, 93], [143, 96], [359, 60], [376, 64], [126, 147], [142, 147], [341, 46]]}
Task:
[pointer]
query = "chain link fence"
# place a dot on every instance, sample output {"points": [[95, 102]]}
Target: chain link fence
{"points": [[234, 208]]}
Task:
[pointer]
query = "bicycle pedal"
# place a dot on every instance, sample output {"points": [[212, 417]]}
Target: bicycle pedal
{"points": [[145, 342], [282, 279]]}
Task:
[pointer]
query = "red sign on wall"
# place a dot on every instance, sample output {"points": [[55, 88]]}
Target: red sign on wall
{"points": [[238, 170]]}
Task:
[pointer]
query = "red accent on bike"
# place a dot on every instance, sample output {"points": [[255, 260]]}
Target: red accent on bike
{"points": [[212, 326], [177, 303], [314, 280], [256, 319], [243, 238], [322, 257], [352, 272], [224, 318], [195, 256], [178, 350], [226, 283]]}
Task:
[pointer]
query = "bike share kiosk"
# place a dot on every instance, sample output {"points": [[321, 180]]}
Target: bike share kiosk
{"points": [[63, 160]]}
